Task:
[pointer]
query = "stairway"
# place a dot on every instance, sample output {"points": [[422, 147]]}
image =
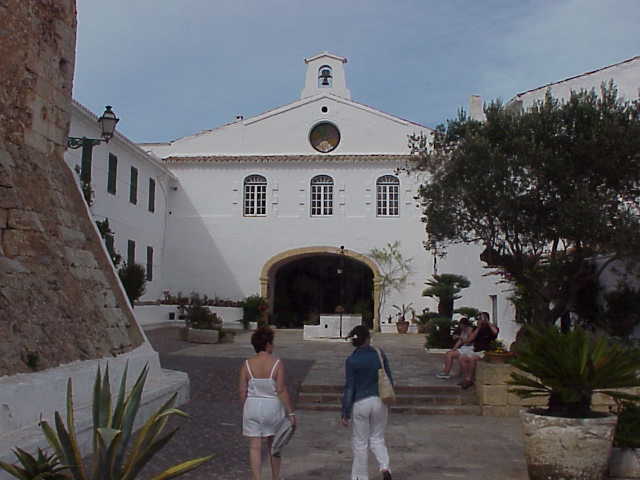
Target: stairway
{"points": [[415, 400]]}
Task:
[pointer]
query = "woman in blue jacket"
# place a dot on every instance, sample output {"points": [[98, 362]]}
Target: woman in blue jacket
{"points": [[361, 405]]}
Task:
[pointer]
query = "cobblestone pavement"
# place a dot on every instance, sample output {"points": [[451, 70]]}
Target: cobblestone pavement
{"points": [[421, 447]]}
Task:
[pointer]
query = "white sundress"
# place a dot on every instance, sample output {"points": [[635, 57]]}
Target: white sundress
{"points": [[263, 411]]}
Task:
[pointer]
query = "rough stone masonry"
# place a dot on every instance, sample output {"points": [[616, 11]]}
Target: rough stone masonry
{"points": [[60, 299]]}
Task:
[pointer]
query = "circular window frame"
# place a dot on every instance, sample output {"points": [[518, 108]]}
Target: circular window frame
{"points": [[319, 124]]}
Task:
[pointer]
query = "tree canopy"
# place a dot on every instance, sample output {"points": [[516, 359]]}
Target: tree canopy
{"points": [[542, 190]]}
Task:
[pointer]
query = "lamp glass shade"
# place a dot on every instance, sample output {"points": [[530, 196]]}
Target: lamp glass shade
{"points": [[108, 122]]}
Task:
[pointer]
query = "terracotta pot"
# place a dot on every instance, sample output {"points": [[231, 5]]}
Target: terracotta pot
{"points": [[624, 463], [559, 448], [402, 326], [498, 357]]}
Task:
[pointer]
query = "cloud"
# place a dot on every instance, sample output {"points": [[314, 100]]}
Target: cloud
{"points": [[175, 67]]}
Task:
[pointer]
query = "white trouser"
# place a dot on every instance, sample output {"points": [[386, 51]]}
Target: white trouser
{"points": [[369, 420]]}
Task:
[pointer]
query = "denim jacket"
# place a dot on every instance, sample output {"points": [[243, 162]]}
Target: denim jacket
{"points": [[362, 377]]}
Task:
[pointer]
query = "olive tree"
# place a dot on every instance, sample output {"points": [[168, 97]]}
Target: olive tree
{"points": [[545, 191]]}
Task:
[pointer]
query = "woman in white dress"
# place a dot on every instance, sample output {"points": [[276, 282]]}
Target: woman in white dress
{"points": [[266, 401]]}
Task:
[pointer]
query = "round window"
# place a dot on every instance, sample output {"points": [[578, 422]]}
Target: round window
{"points": [[324, 137]]}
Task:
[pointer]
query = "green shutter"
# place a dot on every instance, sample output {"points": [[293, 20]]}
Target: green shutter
{"points": [[149, 264], [113, 171], [152, 195], [133, 189]]}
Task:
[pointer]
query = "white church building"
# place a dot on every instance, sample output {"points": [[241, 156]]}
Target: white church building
{"points": [[289, 204], [264, 205]]}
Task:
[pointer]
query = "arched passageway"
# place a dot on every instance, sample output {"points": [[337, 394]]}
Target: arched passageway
{"points": [[302, 284], [312, 285]]}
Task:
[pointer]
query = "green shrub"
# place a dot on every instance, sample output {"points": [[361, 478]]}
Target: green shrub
{"points": [[468, 312], [134, 280], [628, 428], [40, 467], [197, 315], [251, 309], [439, 333]]}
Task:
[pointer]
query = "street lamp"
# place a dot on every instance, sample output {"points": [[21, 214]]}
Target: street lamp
{"points": [[107, 122], [341, 274]]}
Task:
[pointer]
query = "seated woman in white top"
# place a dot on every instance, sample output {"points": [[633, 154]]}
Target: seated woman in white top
{"points": [[462, 346], [266, 400]]}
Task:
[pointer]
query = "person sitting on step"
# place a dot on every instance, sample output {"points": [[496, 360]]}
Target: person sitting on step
{"points": [[462, 345], [481, 338]]}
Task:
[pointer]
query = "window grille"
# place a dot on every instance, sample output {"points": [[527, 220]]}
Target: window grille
{"points": [[387, 196], [255, 196], [321, 196]]}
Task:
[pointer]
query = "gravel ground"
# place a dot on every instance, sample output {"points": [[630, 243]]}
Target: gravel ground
{"points": [[215, 412]]}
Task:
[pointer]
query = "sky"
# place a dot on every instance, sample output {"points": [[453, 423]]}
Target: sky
{"points": [[172, 68]]}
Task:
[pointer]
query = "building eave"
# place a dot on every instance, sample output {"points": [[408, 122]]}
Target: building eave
{"points": [[134, 148], [213, 159]]}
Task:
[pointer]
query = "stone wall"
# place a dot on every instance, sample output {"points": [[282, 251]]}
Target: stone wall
{"points": [[60, 299], [496, 400]]}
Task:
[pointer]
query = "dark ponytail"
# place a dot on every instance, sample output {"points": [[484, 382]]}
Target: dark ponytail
{"points": [[359, 335]]}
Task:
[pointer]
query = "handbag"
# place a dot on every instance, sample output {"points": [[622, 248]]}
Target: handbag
{"points": [[385, 387]]}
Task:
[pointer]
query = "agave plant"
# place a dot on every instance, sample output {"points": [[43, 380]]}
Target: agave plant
{"points": [[118, 452], [571, 367], [40, 467]]}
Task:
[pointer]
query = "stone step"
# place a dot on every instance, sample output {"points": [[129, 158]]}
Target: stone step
{"points": [[401, 399], [404, 409], [399, 389]]}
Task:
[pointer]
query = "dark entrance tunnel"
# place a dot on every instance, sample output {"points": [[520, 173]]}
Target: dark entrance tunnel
{"points": [[313, 285]]}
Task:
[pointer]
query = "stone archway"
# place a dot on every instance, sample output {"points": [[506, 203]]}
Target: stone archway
{"points": [[267, 274]]}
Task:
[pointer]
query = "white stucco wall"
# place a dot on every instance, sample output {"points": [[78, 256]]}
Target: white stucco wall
{"points": [[626, 76], [127, 221], [285, 131], [213, 249]]}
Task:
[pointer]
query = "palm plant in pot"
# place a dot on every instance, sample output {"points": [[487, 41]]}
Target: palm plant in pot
{"points": [[569, 439]]}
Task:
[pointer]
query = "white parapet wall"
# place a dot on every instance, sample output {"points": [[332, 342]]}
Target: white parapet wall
{"points": [[160, 315], [332, 326], [27, 398]]}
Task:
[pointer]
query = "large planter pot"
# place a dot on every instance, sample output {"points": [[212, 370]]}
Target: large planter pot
{"points": [[402, 326], [195, 335], [559, 448], [498, 357], [624, 463]]}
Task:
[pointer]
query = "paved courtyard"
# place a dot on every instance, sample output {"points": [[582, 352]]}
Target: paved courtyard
{"points": [[421, 446]]}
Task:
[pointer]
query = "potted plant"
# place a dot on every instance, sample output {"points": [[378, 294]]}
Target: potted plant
{"points": [[497, 352], [568, 439], [201, 324], [254, 309], [402, 324], [624, 461]]}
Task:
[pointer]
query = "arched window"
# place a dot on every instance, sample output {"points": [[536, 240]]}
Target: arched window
{"points": [[255, 195], [387, 195], [325, 77], [321, 196]]}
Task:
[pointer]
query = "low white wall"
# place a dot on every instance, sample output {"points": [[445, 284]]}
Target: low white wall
{"points": [[330, 326], [26, 398], [147, 315]]}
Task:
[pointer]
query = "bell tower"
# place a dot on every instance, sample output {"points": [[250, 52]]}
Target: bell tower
{"points": [[325, 74]]}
